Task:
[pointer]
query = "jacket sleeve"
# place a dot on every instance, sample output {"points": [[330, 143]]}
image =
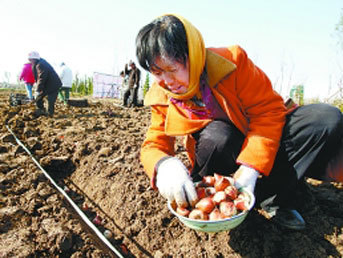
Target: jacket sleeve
{"points": [[42, 76], [24, 73], [156, 144], [21, 76], [138, 77], [265, 111], [62, 74]]}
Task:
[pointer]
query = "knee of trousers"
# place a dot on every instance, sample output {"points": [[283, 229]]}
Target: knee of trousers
{"points": [[222, 139], [329, 119], [216, 142]]}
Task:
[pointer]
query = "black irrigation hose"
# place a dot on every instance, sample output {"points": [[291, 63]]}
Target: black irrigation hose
{"points": [[76, 208]]}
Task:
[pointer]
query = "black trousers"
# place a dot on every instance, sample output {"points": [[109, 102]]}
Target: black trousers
{"points": [[63, 93], [52, 96], [130, 94], [311, 136]]}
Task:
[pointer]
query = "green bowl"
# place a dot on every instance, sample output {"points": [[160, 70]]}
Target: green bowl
{"points": [[216, 225]]}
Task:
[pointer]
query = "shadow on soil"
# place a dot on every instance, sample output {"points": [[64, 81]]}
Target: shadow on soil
{"points": [[325, 217]]}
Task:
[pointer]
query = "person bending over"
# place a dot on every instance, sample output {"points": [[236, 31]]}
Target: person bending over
{"points": [[235, 124]]}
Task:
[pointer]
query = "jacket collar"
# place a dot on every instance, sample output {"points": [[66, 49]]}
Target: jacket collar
{"points": [[217, 67]]}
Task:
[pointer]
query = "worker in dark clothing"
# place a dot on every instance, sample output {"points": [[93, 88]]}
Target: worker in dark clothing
{"points": [[134, 76], [48, 83]]}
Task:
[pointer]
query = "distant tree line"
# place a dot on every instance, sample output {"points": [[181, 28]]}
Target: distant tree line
{"points": [[82, 86], [146, 85]]}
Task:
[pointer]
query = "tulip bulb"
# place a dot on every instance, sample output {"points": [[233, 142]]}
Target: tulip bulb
{"points": [[231, 192], [216, 215], [201, 192], [182, 211], [221, 184], [219, 197], [205, 204], [210, 191], [84, 207], [97, 220], [208, 180], [198, 214], [242, 202], [228, 209], [108, 234], [217, 176]]}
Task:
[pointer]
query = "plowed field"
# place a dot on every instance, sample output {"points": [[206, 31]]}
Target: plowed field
{"points": [[93, 153]]}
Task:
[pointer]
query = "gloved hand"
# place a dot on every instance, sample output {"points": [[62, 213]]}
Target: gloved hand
{"points": [[174, 182], [246, 177]]}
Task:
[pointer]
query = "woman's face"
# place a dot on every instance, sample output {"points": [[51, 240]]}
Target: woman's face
{"points": [[171, 75]]}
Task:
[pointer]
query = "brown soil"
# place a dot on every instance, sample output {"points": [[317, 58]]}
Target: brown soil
{"points": [[94, 152]]}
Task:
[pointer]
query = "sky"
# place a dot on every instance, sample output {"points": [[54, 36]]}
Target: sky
{"points": [[294, 42]]}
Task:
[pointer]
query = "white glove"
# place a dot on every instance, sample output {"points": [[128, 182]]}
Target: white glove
{"points": [[174, 182], [246, 177]]}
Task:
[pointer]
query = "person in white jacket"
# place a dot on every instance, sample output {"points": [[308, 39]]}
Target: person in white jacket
{"points": [[66, 77]]}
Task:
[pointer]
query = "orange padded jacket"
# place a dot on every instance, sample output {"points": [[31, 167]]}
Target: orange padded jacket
{"points": [[245, 94]]}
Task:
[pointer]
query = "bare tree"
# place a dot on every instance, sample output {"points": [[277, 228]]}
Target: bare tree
{"points": [[284, 81], [339, 30], [339, 34], [6, 79]]}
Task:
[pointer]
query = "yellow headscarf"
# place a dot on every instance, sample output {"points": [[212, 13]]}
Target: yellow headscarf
{"points": [[197, 56]]}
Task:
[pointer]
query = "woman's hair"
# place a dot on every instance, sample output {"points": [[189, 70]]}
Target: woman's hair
{"points": [[163, 37]]}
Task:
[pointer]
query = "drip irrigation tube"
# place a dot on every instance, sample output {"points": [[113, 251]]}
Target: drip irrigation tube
{"points": [[76, 208]]}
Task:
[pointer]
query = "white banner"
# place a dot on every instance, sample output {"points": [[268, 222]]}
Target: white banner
{"points": [[107, 86]]}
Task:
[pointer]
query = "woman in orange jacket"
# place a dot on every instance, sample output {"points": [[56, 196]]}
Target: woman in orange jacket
{"points": [[234, 123]]}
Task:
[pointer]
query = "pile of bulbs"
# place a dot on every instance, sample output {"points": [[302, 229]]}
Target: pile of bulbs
{"points": [[217, 199]]}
